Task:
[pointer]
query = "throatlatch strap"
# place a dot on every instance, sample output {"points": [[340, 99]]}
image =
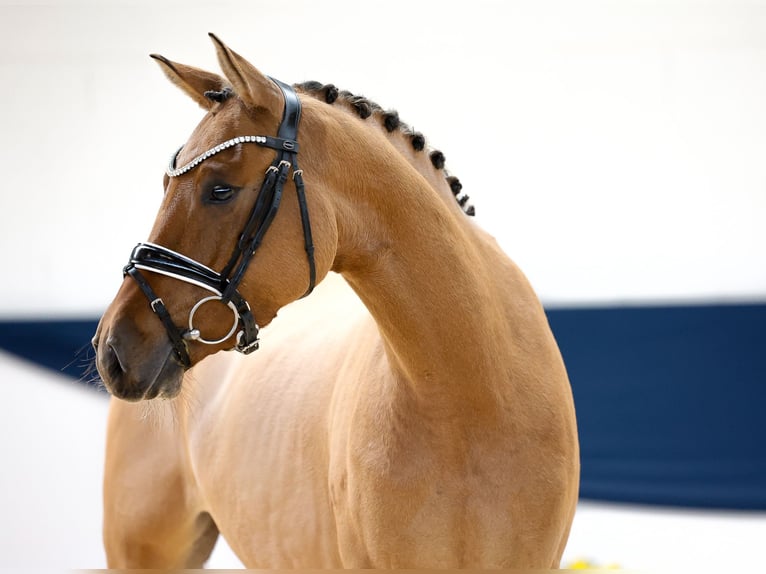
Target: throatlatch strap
{"points": [[288, 129], [308, 240], [155, 302]]}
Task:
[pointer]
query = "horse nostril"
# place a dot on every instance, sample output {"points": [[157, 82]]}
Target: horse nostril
{"points": [[113, 356], [94, 342]]}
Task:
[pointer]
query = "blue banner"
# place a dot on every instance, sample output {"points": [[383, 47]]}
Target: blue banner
{"points": [[669, 400]]}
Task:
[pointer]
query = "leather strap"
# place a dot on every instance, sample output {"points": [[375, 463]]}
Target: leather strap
{"points": [[288, 145], [158, 259], [157, 305], [289, 129], [252, 237], [291, 116], [260, 218], [308, 241]]}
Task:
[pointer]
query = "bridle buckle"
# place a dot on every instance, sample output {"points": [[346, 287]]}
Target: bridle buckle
{"points": [[248, 348]]}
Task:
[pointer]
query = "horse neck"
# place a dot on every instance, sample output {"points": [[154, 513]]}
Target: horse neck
{"points": [[409, 143], [417, 262]]}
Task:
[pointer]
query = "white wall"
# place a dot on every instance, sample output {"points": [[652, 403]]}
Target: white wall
{"points": [[617, 149]]}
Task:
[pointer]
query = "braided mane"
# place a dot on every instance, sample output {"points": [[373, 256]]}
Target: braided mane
{"points": [[366, 108]]}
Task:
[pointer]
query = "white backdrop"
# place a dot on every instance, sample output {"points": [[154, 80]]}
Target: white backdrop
{"points": [[617, 149]]}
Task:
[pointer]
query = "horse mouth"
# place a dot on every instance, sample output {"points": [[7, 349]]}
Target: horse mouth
{"points": [[167, 384], [128, 382]]}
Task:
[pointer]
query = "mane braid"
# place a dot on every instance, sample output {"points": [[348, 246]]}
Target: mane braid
{"points": [[366, 108], [418, 141]]}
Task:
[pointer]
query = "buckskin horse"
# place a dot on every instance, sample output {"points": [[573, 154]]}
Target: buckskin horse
{"points": [[413, 412]]}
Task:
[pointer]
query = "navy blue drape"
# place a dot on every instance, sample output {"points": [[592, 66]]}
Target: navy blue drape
{"points": [[670, 400]]}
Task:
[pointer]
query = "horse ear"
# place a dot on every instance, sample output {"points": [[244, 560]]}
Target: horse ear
{"points": [[253, 87], [193, 81]]}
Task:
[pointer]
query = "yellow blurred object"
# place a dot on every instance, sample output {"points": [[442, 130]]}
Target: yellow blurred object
{"points": [[583, 564]]}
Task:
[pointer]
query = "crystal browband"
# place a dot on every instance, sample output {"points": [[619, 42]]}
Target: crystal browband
{"points": [[272, 142]]}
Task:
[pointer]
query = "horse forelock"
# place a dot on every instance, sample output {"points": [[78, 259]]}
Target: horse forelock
{"points": [[219, 96], [366, 108]]}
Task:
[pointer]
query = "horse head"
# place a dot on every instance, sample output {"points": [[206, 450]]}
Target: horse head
{"points": [[210, 276]]}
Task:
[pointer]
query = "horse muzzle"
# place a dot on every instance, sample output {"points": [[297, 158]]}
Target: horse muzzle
{"points": [[134, 370]]}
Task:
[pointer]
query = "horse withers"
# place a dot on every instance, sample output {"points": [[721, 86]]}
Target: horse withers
{"points": [[413, 411]]}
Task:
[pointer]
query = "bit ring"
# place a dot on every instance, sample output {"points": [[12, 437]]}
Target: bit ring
{"points": [[195, 333]]}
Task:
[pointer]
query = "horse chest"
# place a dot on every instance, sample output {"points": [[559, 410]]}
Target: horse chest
{"points": [[265, 484]]}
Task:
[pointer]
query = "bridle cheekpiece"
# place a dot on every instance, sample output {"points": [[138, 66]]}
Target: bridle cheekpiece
{"points": [[223, 286]]}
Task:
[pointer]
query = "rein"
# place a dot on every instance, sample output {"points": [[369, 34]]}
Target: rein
{"points": [[224, 285]]}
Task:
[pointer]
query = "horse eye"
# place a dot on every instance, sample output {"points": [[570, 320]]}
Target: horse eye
{"points": [[221, 193]]}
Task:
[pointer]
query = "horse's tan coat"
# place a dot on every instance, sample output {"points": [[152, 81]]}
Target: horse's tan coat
{"points": [[420, 418]]}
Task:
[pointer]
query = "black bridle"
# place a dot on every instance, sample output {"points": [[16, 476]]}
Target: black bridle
{"points": [[223, 285]]}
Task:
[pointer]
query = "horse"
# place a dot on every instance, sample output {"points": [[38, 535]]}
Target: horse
{"points": [[413, 412]]}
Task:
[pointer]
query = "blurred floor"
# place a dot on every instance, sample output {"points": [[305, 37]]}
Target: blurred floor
{"points": [[52, 445]]}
